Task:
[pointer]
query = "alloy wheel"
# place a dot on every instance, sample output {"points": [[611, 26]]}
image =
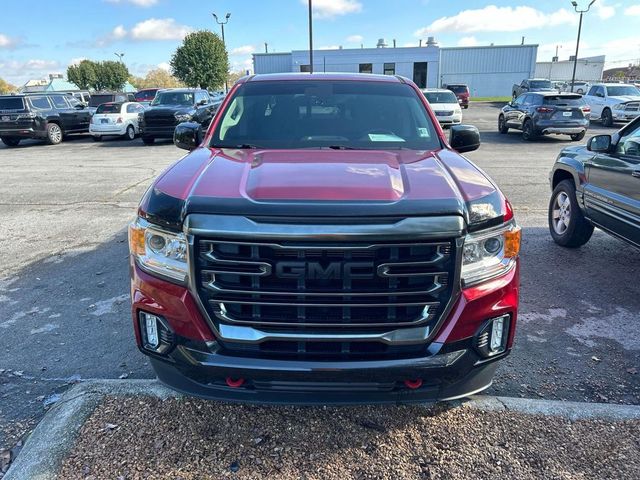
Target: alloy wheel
{"points": [[561, 213]]}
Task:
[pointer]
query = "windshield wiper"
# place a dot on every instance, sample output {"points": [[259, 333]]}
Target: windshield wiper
{"points": [[342, 147], [240, 146]]}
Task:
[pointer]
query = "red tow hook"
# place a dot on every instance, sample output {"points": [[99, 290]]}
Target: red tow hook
{"points": [[413, 384], [234, 382]]}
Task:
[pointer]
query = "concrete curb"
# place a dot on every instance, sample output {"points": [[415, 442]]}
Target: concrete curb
{"points": [[53, 438]]}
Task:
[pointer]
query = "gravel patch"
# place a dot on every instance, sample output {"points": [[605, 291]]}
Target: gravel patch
{"points": [[185, 438]]}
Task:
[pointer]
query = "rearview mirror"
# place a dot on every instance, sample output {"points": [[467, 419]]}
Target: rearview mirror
{"points": [[187, 135], [464, 138], [599, 143]]}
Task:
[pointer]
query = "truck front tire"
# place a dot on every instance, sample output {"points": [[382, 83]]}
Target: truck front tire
{"points": [[10, 141], [607, 118], [148, 140], [567, 224]]}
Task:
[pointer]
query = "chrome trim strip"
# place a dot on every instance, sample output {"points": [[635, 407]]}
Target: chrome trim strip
{"points": [[305, 304], [329, 247]]}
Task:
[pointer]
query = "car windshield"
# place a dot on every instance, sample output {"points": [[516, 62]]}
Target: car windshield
{"points": [[325, 114], [100, 99], [109, 108], [145, 95], [11, 103], [623, 91], [173, 98], [540, 84], [458, 88], [441, 97], [564, 100]]}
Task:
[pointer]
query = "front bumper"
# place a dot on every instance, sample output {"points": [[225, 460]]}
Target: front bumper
{"points": [[625, 115], [165, 131], [455, 119]]}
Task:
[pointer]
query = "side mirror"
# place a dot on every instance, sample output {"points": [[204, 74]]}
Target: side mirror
{"points": [[187, 135], [599, 143], [204, 101], [464, 138], [80, 106]]}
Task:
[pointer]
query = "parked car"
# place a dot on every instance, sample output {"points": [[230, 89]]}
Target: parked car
{"points": [[48, 116], [98, 99], [577, 87], [531, 85], [116, 119], [311, 251], [82, 96], [613, 102], [445, 105], [461, 91], [146, 96], [173, 106], [544, 113], [597, 185]]}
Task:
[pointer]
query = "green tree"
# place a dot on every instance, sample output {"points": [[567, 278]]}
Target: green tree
{"points": [[201, 61], [6, 87], [83, 74], [110, 75], [159, 77]]}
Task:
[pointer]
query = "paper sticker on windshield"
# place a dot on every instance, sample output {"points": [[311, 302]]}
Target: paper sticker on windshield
{"points": [[384, 137], [423, 132]]}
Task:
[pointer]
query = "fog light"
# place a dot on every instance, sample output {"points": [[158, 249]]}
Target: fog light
{"points": [[497, 327], [492, 337], [156, 334]]}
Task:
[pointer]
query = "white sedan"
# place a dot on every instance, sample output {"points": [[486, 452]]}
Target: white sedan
{"points": [[116, 119], [444, 104]]}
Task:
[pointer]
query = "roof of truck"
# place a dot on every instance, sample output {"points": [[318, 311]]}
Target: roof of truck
{"points": [[324, 76]]}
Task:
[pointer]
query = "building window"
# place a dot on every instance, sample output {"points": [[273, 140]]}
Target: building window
{"points": [[389, 69], [305, 68], [366, 68]]}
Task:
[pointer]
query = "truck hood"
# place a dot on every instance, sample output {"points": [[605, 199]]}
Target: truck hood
{"points": [[625, 98], [321, 183]]}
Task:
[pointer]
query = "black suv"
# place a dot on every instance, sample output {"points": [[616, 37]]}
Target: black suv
{"points": [[99, 98], [173, 106], [49, 116], [544, 113], [597, 185]]}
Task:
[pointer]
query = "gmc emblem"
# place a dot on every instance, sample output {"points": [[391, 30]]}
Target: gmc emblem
{"points": [[331, 271]]}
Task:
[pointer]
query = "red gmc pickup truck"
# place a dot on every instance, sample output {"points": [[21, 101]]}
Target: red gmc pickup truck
{"points": [[323, 242]]}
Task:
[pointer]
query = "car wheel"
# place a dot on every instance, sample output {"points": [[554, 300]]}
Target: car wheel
{"points": [[131, 133], [96, 138], [502, 125], [527, 131], [54, 134], [607, 118], [567, 224], [576, 137], [580, 91], [148, 140], [10, 141]]}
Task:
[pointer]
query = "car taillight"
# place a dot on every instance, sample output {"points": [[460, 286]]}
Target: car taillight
{"points": [[586, 109], [544, 109]]}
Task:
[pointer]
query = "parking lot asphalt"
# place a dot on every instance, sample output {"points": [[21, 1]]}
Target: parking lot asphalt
{"points": [[64, 301]]}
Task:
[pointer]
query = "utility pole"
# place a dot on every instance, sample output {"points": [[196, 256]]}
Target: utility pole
{"points": [[310, 37], [575, 59], [222, 24]]}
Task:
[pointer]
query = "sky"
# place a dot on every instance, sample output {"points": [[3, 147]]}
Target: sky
{"points": [[49, 35]]}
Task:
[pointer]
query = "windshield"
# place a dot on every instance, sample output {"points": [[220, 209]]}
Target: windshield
{"points": [[540, 84], [458, 88], [173, 98], [109, 108], [100, 99], [145, 95], [441, 97], [330, 114], [623, 90], [564, 100], [11, 103]]}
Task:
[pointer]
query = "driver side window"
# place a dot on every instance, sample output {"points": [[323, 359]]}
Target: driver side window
{"points": [[629, 144]]}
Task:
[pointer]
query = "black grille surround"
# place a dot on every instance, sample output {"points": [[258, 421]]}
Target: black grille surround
{"points": [[312, 287]]}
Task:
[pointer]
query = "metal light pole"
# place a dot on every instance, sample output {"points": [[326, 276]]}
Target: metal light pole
{"points": [[222, 24], [575, 60], [310, 37], [119, 55]]}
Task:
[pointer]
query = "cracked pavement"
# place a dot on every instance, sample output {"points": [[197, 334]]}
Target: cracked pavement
{"points": [[64, 308]]}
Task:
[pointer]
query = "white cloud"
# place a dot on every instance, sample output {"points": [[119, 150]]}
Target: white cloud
{"points": [[605, 11], [18, 72], [333, 8], [165, 66], [118, 33], [355, 39], [77, 60], [633, 11], [468, 42], [159, 29], [499, 19], [139, 3], [8, 42], [243, 50]]}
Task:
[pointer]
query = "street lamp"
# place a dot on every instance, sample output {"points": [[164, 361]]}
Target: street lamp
{"points": [[222, 23], [310, 37], [119, 55], [575, 59]]}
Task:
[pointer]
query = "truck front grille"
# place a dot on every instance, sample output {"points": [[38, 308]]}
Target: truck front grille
{"points": [[320, 286]]}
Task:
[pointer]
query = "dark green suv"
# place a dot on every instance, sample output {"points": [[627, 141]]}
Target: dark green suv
{"points": [[597, 185]]}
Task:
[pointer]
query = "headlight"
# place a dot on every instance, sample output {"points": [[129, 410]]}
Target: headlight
{"points": [[159, 251], [490, 253], [183, 117]]}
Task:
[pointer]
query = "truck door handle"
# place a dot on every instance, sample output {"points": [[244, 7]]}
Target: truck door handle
{"points": [[636, 173]]}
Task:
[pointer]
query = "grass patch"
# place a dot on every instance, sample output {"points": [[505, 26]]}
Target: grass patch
{"points": [[491, 99]]}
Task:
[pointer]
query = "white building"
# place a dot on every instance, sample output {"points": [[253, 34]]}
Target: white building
{"points": [[588, 69], [489, 71]]}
